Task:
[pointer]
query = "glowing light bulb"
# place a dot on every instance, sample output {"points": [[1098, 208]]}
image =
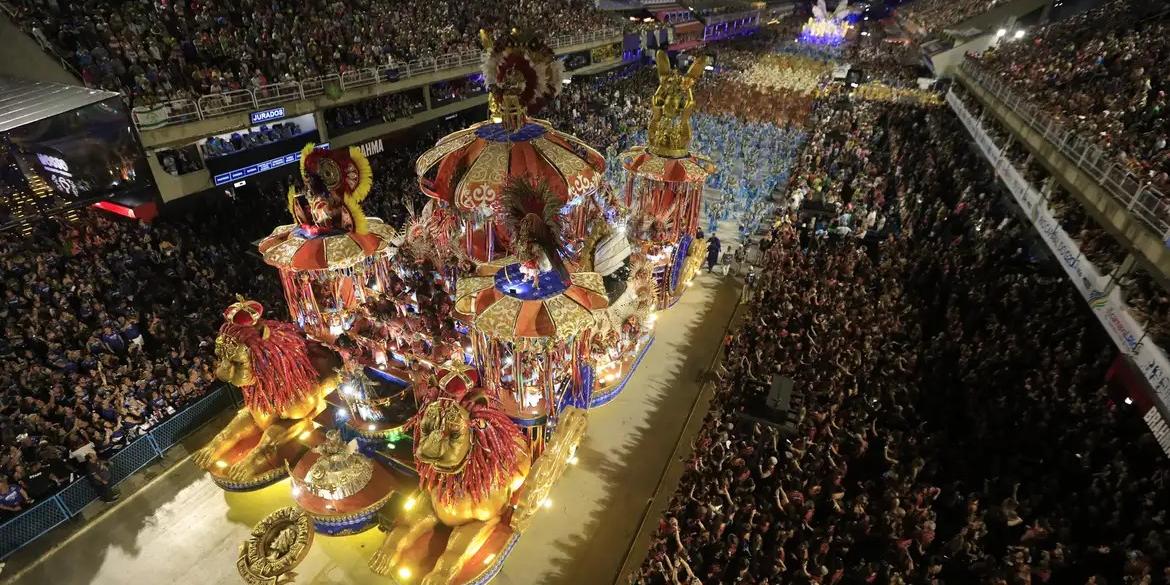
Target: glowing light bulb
{"points": [[221, 464], [547, 503], [409, 503], [373, 427], [404, 572], [341, 412]]}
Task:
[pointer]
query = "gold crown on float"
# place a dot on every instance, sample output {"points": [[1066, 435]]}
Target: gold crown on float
{"points": [[669, 134], [338, 473]]}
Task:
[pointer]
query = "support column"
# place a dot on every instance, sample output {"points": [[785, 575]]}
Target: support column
{"points": [[1121, 271]]}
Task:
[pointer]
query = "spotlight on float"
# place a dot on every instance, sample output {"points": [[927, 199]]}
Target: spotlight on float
{"points": [[1000, 33], [1019, 35]]}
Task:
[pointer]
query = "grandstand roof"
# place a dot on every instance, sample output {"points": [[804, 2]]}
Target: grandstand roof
{"points": [[23, 101]]}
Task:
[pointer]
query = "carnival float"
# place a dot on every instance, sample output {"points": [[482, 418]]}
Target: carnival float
{"points": [[824, 27], [664, 185], [435, 380]]}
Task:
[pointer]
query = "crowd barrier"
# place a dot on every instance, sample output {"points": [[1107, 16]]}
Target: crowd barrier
{"points": [[51, 512], [1105, 301], [1145, 202], [244, 100]]}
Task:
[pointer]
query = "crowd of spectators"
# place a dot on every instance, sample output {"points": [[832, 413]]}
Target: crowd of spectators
{"points": [[384, 108], [936, 15], [838, 171], [453, 90], [1100, 74], [1145, 297], [108, 330], [605, 110], [156, 51], [952, 423], [248, 139]]}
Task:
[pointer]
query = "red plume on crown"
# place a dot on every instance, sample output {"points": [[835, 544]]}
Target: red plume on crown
{"points": [[243, 312], [533, 215], [522, 64]]}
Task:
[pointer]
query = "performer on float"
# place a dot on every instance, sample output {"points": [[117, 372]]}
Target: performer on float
{"points": [[333, 259], [283, 387]]}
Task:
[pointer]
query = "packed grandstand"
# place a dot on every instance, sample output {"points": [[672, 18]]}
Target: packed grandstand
{"points": [[963, 412]]}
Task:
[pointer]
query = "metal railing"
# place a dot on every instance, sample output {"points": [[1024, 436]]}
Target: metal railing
{"points": [[1137, 195], [265, 96], [51, 512]]}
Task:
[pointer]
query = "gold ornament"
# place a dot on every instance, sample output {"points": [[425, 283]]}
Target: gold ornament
{"points": [[690, 267], [277, 544], [235, 362], [551, 465], [671, 107], [338, 473]]}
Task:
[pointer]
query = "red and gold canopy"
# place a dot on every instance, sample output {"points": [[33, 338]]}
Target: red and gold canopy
{"points": [[470, 168], [687, 169], [505, 307], [291, 247]]}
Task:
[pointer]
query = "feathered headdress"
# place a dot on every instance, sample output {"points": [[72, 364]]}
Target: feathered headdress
{"points": [[345, 173], [533, 214], [523, 65]]}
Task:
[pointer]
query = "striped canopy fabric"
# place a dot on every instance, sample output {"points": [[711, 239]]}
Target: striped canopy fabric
{"points": [[292, 248], [469, 168], [502, 307]]}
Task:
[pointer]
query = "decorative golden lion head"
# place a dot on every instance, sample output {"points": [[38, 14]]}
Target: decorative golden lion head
{"points": [[465, 447], [268, 360], [234, 361], [445, 436]]}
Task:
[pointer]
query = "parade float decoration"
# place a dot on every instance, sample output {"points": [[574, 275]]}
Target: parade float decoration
{"points": [[470, 341], [467, 171], [284, 379], [333, 255], [341, 489], [664, 185], [530, 319], [471, 458], [824, 27], [624, 331], [276, 545]]}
